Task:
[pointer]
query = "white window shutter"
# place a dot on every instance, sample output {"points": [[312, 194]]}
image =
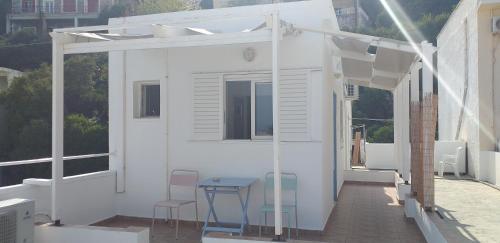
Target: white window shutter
{"points": [[295, 101], [207, 107]]}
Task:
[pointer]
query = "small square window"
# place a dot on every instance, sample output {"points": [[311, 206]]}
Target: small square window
{"points": [[147, 100]]}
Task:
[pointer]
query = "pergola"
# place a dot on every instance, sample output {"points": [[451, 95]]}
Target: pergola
{"points": [[388, 67]]}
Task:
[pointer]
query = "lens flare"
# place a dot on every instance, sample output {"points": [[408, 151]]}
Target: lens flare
{"points": [[402, 21]]}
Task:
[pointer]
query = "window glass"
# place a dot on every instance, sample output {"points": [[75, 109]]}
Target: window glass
{"points": [[150, 100], [263, 109], [238, 110]]}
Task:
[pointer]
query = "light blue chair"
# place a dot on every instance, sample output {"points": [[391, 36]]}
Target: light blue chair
{"points": [[288, 186]]}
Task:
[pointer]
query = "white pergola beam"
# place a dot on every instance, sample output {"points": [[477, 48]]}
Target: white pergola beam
{"points": [[158, 43], [276, 36], [375, 41]]}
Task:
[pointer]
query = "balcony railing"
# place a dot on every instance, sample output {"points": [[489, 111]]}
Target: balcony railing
{"points": [[50, 8], [14, 172]]}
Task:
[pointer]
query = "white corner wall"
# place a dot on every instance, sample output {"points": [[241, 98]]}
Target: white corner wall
{"points": [[490, 167], [460, 29]]}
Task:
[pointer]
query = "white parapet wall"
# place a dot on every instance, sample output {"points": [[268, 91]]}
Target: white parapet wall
{"points": [[490, 167], [85, 234], [377, 176], [380, 156], [423, 220], [88, 198]]}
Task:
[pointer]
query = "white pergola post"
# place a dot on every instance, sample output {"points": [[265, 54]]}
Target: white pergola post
{"points": [[276, 35], [396, 96], [405, 128], [428, 140], [57, 121], [415, 99]]}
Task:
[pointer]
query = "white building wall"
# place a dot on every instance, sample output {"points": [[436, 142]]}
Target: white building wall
{"points": [[452, 66], [469, 24]]}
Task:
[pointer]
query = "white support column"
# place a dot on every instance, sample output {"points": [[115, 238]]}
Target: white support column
{"points": [[396, 123], [415, 82], [427, 68], [405, 128], [276, 36], [427, 119], [414, 99], [57, 121]]}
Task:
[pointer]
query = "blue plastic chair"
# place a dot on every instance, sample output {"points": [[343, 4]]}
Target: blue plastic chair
{"points": [[288, 185]]}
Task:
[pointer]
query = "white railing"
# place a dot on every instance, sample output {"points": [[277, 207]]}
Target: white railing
{"points": [[46, 160]]}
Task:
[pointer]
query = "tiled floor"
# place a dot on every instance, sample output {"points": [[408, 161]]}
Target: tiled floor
{"points": [[470, 210], [364, 213]]}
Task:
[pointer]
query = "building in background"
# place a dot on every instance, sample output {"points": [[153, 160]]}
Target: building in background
{"points": [[6, 77], [349, 13], [43, 15]]}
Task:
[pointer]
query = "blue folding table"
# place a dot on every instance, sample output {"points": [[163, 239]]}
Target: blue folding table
{"points": [[226, 185]]}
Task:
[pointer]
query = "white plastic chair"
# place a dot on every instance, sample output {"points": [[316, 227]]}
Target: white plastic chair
{"points": [[179, 178], [451, 160]]}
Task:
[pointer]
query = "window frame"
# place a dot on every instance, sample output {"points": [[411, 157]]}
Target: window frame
{"points": [[253, 81], [137, 99]]}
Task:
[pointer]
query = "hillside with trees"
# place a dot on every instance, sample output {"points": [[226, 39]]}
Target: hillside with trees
{"points": [[26, 104]]}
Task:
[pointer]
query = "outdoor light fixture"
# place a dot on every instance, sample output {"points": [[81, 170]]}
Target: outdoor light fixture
{"points": [[249, 54]]}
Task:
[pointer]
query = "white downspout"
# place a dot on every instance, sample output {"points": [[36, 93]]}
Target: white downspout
{"points": [[276, 35]]}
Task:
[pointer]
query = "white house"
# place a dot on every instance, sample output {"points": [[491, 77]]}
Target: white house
{"points": [[195, 122], [469, 87], [232, 92]]}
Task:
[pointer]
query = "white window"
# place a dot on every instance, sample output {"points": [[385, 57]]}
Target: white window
{"points": [[248, 109], [147, 99]]}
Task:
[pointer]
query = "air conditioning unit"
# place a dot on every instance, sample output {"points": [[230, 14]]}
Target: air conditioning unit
{"points": [[351, 92], [495, 25], [17, 221]]}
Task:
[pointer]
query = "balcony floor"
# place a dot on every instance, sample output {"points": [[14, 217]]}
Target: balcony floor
{"points": [[470, 210], [364, 213]]}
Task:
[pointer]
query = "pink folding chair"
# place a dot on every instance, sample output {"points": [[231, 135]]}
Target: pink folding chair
{"points": [[182, 179]]}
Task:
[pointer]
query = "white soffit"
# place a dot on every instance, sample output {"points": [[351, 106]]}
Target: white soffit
{"points": [[383, 69], [356, 69], [394, 61]]}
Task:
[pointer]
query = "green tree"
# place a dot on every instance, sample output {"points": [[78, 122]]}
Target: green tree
{"points": [[160, 6], [28, 101]]}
